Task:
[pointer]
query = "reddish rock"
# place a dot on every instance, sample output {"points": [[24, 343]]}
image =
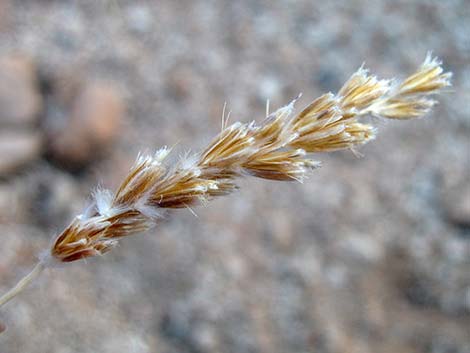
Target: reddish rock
{"points": [[93, 122]]}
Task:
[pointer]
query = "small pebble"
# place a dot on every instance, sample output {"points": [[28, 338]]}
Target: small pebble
{"points": [[457, 205], [139, 18], [20, 101], [92, 124], [17, 148]]}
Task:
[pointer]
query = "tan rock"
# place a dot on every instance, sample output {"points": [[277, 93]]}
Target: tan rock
{"points": [[17, 148], [20, 101], [12, 207]]}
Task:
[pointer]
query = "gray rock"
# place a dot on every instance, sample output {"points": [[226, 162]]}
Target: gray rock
{"points": [[457, 205]]}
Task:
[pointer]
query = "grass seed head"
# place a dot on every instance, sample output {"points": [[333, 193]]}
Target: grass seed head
{"points": [[279, 148]]}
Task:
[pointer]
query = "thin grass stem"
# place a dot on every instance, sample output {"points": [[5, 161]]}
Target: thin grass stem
{"points": [[22, 284]]}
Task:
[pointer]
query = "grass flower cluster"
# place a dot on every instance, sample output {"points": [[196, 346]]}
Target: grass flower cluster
{"points": [[281, 148]]}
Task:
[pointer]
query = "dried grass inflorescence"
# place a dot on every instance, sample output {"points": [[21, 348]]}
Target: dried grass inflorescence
{"points": [[278, 149]]}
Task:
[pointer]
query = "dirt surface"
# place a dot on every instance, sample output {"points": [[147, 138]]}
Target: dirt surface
{"points": [[370, 254]]}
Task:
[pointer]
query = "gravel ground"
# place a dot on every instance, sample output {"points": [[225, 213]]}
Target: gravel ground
{"points": [[370, 254]]}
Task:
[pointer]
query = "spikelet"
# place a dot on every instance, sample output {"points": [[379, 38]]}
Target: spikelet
{"points": [[410, 98], [278, 149]]}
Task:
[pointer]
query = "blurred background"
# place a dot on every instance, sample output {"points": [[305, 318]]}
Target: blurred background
{"points": [[370, 254]]}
